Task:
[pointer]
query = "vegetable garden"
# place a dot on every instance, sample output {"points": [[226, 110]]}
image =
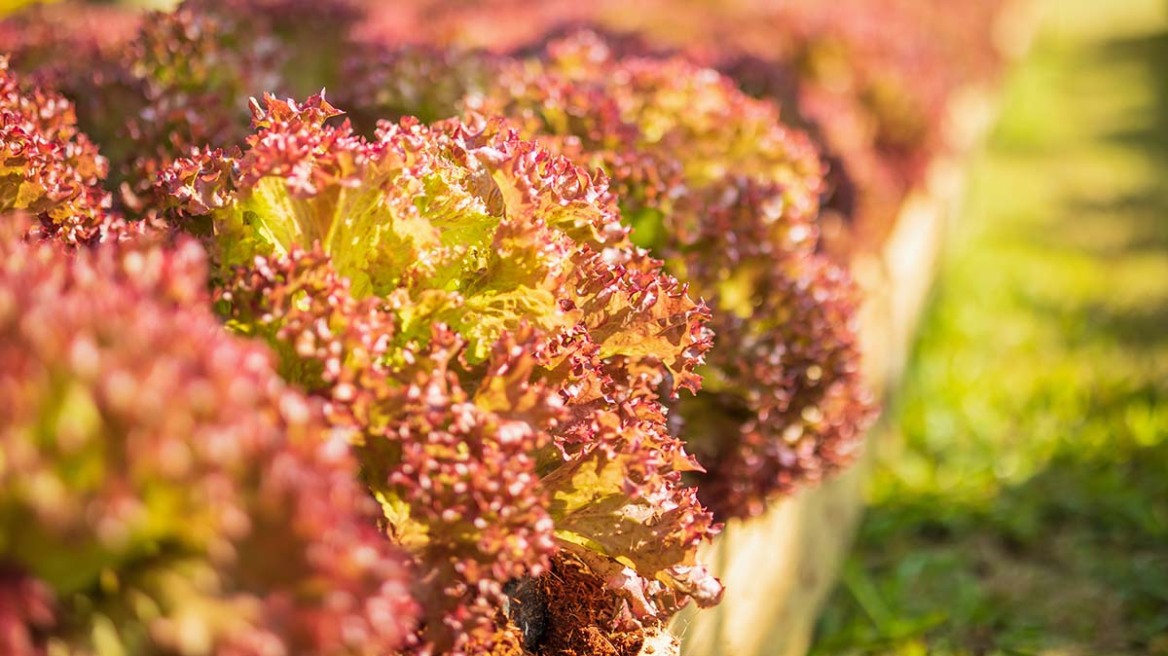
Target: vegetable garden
{"points": [[441, 328]]}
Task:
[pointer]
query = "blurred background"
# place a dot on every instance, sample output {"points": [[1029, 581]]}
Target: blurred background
{"points": [[1023, 507]]}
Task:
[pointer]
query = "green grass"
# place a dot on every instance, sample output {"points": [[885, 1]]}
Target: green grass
{"points": [[1024, 508]]}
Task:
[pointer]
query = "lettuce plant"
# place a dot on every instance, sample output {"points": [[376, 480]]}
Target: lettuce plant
{"points": [[472, 309], [162, 490], [47, 167], [712, 183]]}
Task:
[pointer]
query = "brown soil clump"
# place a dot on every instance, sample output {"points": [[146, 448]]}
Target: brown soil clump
{"points": [[583, 617]]}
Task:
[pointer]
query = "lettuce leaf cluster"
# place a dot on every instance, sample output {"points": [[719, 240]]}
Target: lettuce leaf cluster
{"points": [[474, 311], [48, 168], [162, 489]]}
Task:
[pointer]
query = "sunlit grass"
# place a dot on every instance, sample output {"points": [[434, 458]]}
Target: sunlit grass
{"points": [[1025, 508]]}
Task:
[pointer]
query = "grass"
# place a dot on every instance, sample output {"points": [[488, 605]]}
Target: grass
{"points": [[1024, 509]]}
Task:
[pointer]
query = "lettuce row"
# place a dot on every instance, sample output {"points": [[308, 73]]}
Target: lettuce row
{"points": [[870, 79]]}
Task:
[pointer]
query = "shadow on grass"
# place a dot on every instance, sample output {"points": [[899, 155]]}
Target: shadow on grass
{"points": [[1075, 557], [1150, 51], [1145, 210], [1138, 217], [1137, 329]]}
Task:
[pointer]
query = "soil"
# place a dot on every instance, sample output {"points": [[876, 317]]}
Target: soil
{"points": [[583, 617]]}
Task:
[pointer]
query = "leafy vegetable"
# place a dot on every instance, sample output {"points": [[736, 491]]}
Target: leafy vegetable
{"points": [[713, 184], [47, 167], [509, 342], [161, 489]]}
